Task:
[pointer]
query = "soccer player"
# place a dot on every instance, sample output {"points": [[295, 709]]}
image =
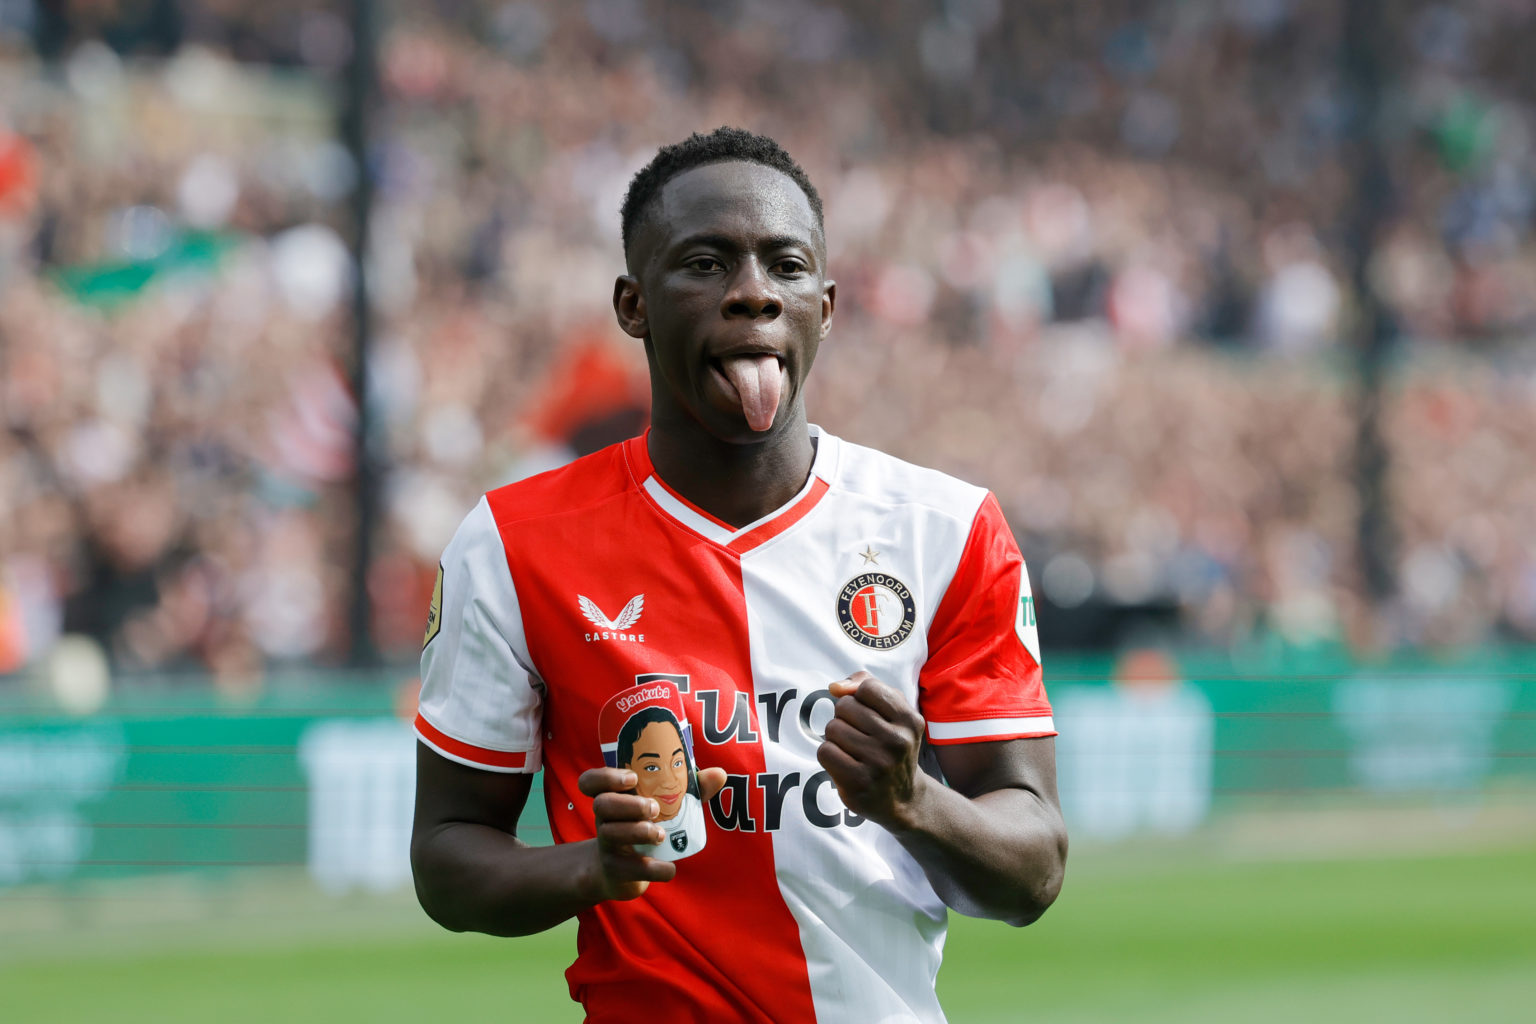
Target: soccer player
{"points": [[853, 638]]}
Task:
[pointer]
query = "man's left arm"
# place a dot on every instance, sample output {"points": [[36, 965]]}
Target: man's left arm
{"points": [[992, 842]]}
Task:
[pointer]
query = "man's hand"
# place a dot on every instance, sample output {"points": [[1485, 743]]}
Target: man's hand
{"points": [[989, 838], [871, 750], [626, 820]]}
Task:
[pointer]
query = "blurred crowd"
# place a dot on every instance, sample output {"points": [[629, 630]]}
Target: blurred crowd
{"points": [[1096, 256]]}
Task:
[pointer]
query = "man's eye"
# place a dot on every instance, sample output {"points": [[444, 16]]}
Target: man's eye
{"points": [[677, 764], [707, 264], [653, 768], [789, 267]]}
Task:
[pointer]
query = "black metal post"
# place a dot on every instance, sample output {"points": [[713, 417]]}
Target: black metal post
{"points": [[1365, 70], [361, 92]]}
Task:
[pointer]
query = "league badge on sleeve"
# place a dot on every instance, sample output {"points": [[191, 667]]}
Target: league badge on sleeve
{"points": [[435, 610], [646, 730], [1024, 617]]}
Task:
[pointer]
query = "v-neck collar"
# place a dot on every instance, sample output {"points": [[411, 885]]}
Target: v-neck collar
{"points": [[738, 539]]}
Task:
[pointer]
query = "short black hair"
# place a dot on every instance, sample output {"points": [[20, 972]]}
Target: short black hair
{"points": [[719, 146], [636, 724]]}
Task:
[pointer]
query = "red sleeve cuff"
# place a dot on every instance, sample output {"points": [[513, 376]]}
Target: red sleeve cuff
{"points": [[468, 753]]}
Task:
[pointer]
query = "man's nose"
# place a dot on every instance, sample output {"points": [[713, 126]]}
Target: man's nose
{"points": [[751, 293]]}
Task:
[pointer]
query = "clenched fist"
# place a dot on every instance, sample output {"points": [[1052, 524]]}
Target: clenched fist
{"points": [[871, 750]]}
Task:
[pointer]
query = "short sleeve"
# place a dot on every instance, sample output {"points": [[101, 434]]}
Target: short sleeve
{"points": [[982, 680], [481, 700]]}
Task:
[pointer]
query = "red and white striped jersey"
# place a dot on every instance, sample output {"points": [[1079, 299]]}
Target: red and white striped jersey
{"points": [[560, 590]]}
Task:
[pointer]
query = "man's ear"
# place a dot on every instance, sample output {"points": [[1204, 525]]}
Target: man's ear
{"points": [[828, 301], [629, 307]]}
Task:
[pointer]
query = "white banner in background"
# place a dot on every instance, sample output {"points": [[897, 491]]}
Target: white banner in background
{"points": [[362, 790], [1133, 759]]}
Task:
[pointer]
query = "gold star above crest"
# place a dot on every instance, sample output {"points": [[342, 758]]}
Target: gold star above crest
{"points": [[869, 555]]}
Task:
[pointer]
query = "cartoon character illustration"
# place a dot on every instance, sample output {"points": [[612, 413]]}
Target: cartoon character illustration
{"points": [[651, 745], [657, 745]]}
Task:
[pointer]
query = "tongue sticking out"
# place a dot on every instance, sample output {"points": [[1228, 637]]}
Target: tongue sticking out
{"points": [[757, 383]]}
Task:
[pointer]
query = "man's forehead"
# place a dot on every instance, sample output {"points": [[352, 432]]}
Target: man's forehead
{"points": [[734, 195]]}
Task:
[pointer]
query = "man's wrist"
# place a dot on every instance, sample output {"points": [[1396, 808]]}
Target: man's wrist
{"points": [[909, 816], [589, 876]]}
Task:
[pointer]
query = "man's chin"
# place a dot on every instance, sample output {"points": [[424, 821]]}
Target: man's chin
{"points": [[733, 428]]}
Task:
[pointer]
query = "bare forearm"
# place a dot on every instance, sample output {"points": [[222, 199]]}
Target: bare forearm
{"points": [[1001, 855], [476, 878]]}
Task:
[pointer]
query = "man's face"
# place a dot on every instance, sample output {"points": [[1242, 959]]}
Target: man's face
{"points": [[660, 765], [729, 291]]}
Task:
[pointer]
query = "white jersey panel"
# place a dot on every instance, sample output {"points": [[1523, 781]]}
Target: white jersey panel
{"points": [[852, 887], [892, 483], [478, 686]]}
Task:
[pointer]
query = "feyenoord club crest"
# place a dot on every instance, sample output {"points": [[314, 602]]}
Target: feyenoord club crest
{"points": [[876, 609]]}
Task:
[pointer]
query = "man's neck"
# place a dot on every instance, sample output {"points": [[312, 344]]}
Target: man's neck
{"points": [[736, 483]]}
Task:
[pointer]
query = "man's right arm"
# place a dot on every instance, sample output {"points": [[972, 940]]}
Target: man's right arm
{"points": [[474, 769], [474, 874]]}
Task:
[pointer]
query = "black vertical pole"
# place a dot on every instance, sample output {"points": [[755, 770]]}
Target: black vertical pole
{"points": [[361, 96], [1365, 70]]}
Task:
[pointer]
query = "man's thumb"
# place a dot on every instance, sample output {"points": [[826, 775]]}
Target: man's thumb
{"points": [[711, 781]]}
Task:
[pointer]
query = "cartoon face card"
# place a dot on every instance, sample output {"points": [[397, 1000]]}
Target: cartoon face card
{"points": [[646, 730]]}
